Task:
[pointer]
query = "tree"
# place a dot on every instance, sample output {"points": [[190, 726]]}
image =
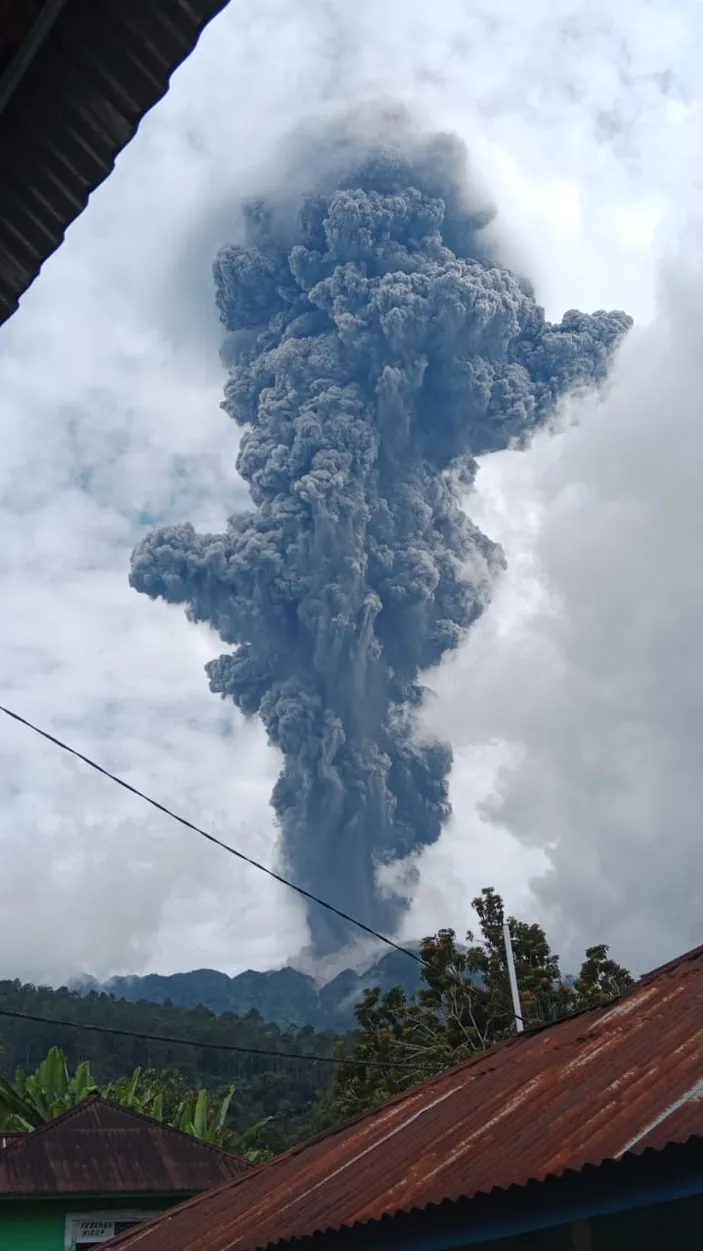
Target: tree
{"points": [[600, 978], [464, 1007], [158, 1095]]}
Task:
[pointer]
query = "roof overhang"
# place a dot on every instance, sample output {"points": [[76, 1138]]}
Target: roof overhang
{"points": [[76, 78], [668, 1175]]}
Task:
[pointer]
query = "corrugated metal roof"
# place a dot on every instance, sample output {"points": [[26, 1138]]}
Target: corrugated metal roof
{"points": [[101, 66], [593, 1087], [101, 1148]]}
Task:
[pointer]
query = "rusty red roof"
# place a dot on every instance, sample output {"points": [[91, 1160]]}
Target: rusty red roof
{"points": [[600, 1084], [101, 1148]]}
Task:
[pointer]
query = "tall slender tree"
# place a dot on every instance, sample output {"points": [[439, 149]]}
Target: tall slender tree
{"points": [[463, 1007]]}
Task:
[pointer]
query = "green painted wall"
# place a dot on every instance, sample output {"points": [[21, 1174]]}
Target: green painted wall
{"points": [[39, 1224], [21, 1230]]}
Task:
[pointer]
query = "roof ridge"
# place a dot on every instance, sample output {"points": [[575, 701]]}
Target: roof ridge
{"points": [[24, 1136], [95, 1097], [172, 1129], [694, 954]]}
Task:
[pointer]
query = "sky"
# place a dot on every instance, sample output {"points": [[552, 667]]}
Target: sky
{"points": [[576, 705]]}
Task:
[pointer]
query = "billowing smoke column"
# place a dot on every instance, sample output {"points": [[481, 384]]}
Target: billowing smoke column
{"points": [[375, 349]]}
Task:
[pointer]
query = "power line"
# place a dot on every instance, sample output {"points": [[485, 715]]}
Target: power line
{"points": [[211, 838], [233, 851], [207, 1046]]}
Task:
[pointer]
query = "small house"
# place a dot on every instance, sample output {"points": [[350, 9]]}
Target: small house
{"points": [[95, 1172]]}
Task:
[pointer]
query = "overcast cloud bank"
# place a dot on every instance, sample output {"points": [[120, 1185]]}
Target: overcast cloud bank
{"points": [[586, 128]]}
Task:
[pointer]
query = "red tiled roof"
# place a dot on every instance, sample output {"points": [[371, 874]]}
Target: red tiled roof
{"points": [[595, 1086], [101, 1148]]}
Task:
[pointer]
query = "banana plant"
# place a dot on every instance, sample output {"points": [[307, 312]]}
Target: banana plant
{"points": [[209, 1123], [202, 1121], [44, 1095], [16, 1113], [147, 1099]]}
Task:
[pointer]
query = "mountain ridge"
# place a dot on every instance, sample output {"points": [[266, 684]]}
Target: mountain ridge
{"points": [[286, 996]]}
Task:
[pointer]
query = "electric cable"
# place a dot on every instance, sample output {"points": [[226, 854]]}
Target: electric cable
{"points": [[211, 838], [269, 1053], [233, 851]]}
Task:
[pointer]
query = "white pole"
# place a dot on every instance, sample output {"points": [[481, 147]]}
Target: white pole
{"points": [[510, 960]]}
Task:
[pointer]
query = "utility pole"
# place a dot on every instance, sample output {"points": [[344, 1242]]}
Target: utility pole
{"points": [[512, 976]]}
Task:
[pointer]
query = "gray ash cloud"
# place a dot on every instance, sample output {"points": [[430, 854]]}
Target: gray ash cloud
{"points": [[374, 350]]}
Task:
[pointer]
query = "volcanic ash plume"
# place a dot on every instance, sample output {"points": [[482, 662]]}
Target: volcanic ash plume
{"points": [[374, 350]]}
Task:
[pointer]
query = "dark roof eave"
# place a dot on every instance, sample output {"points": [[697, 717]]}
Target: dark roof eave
{"points": [[50, 1196], [71, 99], [28, 49]]}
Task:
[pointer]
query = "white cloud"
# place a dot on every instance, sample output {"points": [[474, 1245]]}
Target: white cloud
{"points": [[585, 122], [596, 683]]}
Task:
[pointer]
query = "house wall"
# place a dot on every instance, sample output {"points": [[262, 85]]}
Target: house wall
{"points": [[558, 1238], [675, 1226], [40, 1224]]}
